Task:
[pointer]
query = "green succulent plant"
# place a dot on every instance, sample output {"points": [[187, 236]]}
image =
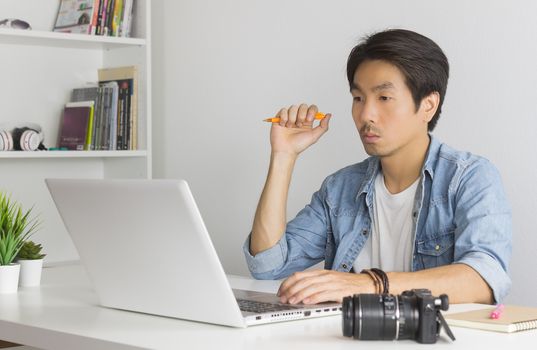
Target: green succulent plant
{"points": [[16, 227], [30, 251]]}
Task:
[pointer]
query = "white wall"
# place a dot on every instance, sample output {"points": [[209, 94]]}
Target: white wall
{"points": [[221, 66]]}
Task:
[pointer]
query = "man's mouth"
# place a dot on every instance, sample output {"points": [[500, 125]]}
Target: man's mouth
{"points": [[369, 137]]}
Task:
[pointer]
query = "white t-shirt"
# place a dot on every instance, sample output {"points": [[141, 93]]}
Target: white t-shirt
{"points": [[389, 246]]}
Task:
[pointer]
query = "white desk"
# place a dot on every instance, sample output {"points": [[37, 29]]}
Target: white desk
{"points": [[63, 314]]}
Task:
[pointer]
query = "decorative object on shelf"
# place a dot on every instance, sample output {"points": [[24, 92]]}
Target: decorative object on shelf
{"points": [[21, 137], [97, 17], [15, 24], [16, 227], [30, 259]]}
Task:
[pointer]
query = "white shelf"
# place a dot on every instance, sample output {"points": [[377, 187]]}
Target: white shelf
{"points": [[72, 154], [39, 70], [65, 40]]}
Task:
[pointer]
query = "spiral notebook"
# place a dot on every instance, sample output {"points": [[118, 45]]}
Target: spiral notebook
{"points": [[513, 319]]}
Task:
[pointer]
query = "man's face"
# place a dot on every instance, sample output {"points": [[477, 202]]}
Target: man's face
{"points": [[383, 109]]}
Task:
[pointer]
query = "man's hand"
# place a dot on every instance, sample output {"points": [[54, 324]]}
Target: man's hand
{"points": [[295, 132], [316, 286]]}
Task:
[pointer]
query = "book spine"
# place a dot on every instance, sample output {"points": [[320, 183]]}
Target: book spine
{"points": [[113, 120], [129, 23], [126, 18], [109, 17], [105, 139], [95, 15], [118, 8], [128, 115], [98, 30], [89, 131], [133, 132], [123, 93], [99, 121]]}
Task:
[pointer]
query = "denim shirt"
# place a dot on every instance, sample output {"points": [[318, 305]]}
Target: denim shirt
{"points": [[460, 215]]}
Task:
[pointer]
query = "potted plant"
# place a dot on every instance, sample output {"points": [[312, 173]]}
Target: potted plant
{"points": [[15, 227], [31, 264]]}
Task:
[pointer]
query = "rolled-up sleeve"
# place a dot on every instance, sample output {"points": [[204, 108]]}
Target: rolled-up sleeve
{"points": [[301, 246], [483, 238]]}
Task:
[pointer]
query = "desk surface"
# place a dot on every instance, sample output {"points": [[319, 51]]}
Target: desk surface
{"points": [[64, 314]]}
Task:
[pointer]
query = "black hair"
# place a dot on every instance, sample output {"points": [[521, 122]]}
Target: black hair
{"points": [[421, 60]]}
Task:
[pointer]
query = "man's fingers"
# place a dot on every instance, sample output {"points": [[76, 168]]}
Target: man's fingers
{"points": [[292, 114], [320, 129], [315, 285], [335, 295], [300, 281], [312, 111], [302, 113], [299, 276], [283, 116]]}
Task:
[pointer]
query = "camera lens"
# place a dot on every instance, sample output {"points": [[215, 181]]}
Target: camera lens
{"points": [[380, 317], [409, 316], [348, 316]]}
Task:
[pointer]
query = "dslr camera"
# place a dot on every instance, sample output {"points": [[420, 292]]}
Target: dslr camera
{"points": [[415, 314]]}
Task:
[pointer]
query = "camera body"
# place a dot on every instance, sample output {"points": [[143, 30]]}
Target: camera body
{"points": [[428, 325], [415, 314]]}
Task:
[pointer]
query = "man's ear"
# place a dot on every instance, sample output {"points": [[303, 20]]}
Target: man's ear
{"points": [[429, 105]]}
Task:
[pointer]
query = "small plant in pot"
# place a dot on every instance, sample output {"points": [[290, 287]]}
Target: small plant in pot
{"points": [[30, 259], [16, 227]]}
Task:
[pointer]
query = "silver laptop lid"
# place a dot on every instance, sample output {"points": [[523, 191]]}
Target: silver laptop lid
{"points": [[146, 248]]}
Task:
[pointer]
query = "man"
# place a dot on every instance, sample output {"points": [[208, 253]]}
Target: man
{"points": [[428, 215]]}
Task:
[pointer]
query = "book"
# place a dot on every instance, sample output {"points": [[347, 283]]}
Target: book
{"points": [[513, 319], [127, 118], [89, 128], [118, 10], [96, 7], [96, 17], [111, 127], [99, 119], [76, 128], [75, 16], [90, 93], [126, 18]]}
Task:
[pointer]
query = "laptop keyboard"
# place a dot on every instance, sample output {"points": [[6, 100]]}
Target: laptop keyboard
{"points": [[259, 307]]}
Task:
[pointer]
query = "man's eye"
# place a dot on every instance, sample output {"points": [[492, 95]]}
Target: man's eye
{"points": [[357, 98], [385, 98]]}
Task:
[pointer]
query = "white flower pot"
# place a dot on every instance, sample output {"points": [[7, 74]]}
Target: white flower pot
{"points": [[30, 272], [9, 278]]}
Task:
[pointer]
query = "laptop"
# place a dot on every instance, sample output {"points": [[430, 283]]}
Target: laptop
{"points": [[146, 249]]}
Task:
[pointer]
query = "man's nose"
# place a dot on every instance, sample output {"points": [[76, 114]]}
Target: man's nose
{"points": [[368, 113]]}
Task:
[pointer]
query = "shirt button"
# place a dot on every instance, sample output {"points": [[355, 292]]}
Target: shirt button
{"points": [[437, 247], [364, 232], [414, 214], [344, 266]]}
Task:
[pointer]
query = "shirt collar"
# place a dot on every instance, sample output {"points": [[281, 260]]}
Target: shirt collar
{"points": [[373, 166], [432, 156]]}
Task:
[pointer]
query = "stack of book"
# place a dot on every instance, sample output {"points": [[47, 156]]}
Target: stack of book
{"points": [[104, 116], [97, 17]]}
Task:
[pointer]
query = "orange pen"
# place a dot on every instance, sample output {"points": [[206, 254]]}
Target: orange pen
{"points": [[318, 116]]}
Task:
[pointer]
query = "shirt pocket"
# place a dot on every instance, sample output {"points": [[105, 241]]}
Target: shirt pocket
{"points": [[437, 251]]}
